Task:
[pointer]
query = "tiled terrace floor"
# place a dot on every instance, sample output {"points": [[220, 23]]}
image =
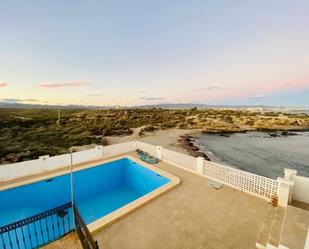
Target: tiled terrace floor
{"points": [[192, 215], [69, 241]]}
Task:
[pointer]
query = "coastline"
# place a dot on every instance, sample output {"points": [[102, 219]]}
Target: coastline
{"points": [[187, 144], [182, 140], [262, 153], [179, 140]]}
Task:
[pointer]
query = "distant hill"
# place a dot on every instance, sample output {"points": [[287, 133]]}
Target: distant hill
{"points": [[159, 106], [38, 106], [198, 106]]}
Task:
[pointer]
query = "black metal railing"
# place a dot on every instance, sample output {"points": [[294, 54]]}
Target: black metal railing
{"points": [[44, 228], [38, 230], [84, 235]]}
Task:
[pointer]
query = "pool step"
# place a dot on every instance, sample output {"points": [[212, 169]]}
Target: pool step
{"points": [[269, 235], [276, 227], [263, 235], [284, 228], [295, 228]]}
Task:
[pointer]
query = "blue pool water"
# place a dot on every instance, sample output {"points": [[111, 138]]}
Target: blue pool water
{"points": [[98, 191]]}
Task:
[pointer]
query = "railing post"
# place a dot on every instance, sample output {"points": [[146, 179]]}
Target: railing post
{"points": [[200, 165], [289, 175], [285, 187], [286, 184], [99, 148], [159, 152], [45, 162], [44, 158]]}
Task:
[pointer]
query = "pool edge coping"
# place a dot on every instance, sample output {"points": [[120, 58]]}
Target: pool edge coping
{"points": [[59, 172], [109, 219]]}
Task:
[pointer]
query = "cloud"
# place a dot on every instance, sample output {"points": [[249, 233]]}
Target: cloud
{"points": [[259, 96], [95, 94], [211, 88], [152, 98], [18, 100], [67, 84], [3, 84]]}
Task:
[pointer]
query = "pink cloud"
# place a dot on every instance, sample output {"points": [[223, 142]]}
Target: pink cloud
{"points": [[286, 86], [3, 84], [67, 84], [255, 90]]}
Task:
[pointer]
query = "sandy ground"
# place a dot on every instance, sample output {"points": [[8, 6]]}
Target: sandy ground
{"points": [[166, 138]]}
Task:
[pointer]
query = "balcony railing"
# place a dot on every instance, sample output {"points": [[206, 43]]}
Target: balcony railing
{"points": [[44, 228], [37, 230], [84, 235], [257, 185]]}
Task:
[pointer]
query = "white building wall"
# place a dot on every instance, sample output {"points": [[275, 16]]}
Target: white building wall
{"points": [[301, 189]]}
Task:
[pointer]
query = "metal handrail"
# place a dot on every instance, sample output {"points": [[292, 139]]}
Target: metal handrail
{"points": [[84, 235], [46, 227], [37, 230]]}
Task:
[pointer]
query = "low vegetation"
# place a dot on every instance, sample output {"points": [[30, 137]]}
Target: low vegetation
{"points": [[29, 133]]}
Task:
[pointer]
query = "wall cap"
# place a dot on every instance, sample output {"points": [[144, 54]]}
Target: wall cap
{"points": [[285, 181], [290, 171], [45, 157]]}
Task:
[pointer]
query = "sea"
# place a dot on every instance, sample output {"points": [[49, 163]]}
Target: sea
{"points": [[262, 153]]}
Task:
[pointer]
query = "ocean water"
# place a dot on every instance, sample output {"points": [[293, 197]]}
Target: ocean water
{"points": [[258, 152]]}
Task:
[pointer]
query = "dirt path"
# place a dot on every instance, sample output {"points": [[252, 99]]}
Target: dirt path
{"points": [[166, 138]]}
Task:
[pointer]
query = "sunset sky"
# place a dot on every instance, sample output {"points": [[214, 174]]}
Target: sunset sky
{"points": [[147, 52]]}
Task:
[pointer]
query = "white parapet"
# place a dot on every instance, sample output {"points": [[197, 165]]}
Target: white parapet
{"points": [[200, 165], [99, 148], [301, 189], [289, 175], [260, 186], [285, 187], [48, 163], [159, 152], [135, 145], [44, 158]]}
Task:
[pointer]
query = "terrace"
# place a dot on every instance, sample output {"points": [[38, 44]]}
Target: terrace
{"points": [[248, 211]]}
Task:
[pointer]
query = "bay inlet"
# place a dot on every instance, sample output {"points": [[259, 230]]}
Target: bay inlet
{"points": [[262, 153]]}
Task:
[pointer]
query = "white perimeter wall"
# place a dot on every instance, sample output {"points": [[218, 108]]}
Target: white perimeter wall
{"points": [[46, 163], [301, 189]]}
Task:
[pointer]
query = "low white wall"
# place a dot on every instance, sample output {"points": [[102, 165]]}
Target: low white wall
{"points": [[46, 163], [149, 148], [260, 186], [15, 170], [116, 149], [301, 189]]}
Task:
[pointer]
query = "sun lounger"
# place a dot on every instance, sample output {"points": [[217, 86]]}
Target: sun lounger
{"points": [[146, 157]]}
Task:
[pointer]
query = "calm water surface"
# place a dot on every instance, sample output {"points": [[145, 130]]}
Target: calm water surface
{"points": [[258, 152]]}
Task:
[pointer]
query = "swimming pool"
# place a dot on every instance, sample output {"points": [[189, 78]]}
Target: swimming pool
{"points": [[99, 191]]}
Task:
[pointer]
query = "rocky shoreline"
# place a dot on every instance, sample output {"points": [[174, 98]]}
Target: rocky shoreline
{"points": [[271, 133], [186, 141], [188, 145]]}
